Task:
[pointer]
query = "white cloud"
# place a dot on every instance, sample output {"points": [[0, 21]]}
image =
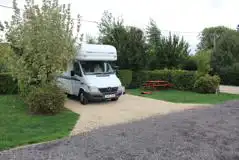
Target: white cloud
{"points": [[173, 15]]}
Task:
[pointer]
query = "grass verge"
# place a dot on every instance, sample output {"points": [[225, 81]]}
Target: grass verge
{"points": [[185, 96], [17, 127]]}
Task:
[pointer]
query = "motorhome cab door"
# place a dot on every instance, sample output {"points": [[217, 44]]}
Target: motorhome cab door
{"points": [[77, 78]]}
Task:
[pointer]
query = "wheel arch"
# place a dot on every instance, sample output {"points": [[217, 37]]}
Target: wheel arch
{"points": [[81, 90]]}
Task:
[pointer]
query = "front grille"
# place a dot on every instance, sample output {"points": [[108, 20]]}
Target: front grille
{"points": [[108, 90]]}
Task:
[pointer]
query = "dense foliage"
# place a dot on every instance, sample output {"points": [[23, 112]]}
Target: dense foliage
{"points": [[210, 35], [42, 41], [218, 50], [203, 60], [5, 50], [48, 99], [137, 50], [7, 84], [190, 64], [230, 75], [207, 84], [226, 52], [129, 41], [125, 76]]}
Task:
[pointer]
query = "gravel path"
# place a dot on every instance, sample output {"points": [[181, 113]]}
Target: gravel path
{"points": [[205, 133], [128, 108]]}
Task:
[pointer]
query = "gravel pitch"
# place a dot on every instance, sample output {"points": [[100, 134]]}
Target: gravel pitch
{"points": [[198, 134]]}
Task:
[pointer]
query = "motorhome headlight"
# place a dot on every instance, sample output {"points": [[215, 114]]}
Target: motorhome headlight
{"points": [[93, 89], [120, 88]]}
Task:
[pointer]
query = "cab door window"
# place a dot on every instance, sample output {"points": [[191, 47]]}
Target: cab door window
{"points": [[76, 68]]}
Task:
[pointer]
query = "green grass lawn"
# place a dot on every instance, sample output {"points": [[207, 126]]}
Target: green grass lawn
{"points": [[186, 96], [17, 127]]}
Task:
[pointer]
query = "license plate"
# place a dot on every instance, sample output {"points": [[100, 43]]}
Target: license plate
{"points": [[110, 96]]}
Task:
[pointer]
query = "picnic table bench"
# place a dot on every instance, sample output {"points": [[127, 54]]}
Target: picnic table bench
{"points": [[157, 83]]}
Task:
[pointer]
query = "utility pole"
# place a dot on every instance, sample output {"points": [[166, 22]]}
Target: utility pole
{"points": [[214, 41]]}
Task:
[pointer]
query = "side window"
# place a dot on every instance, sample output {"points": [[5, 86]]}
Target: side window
{"points": [[76, 69]]}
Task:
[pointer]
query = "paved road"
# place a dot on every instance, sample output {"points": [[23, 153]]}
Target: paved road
{"points": [[229, 89], [198, 134], [128, 108]]}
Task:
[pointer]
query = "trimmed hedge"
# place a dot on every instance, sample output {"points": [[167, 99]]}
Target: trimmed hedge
{"points": [[182, 80], [7, 84], [138, 78], [125, 77]]}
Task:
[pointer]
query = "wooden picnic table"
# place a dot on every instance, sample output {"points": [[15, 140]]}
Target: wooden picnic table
{"points": [[153, 84]]}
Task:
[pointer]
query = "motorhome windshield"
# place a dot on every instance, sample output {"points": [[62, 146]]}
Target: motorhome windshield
{"points": [[96, 67]]}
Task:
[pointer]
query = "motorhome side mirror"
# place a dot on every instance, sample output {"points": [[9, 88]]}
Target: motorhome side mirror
{"points": [[116, 68], [72, 73]]}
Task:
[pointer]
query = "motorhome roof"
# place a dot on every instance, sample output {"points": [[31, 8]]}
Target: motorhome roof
{"points": [[96, 52]]}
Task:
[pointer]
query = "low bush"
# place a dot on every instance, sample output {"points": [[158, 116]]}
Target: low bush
{"points": [[207, 84], [125, 77], [46, 100], [7, 84]]}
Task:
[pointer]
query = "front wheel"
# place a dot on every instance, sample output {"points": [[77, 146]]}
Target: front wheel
{"points": [[83, 99]]}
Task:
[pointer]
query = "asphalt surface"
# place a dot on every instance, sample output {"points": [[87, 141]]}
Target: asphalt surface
{"points": [[198, 134]]}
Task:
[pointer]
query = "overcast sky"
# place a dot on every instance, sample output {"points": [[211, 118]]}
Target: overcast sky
{"points": [[186, 17]]}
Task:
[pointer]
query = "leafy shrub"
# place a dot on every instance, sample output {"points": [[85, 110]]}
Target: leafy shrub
{"points": [[46, 100], [207, 84], [125, 77], [7, 84]]}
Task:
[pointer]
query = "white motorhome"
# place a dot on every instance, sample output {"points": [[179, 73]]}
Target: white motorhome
{"points": [[91, 76]]}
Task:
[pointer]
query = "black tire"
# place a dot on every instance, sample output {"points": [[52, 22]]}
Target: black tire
{"points": [[82, 98], [114, 99]]}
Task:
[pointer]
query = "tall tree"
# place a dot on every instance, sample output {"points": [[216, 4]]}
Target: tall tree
{"points": [[226, 51], [43, 42], [176, 51], [129, 41], [153, 34], [210, 35], [165, 51]]}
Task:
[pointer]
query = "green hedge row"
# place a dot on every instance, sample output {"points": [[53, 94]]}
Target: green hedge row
{"points": [[7, 84], [181, 79]]}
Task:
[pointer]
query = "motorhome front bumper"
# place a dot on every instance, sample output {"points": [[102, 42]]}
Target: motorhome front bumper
{"points": [[102, 96]]}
